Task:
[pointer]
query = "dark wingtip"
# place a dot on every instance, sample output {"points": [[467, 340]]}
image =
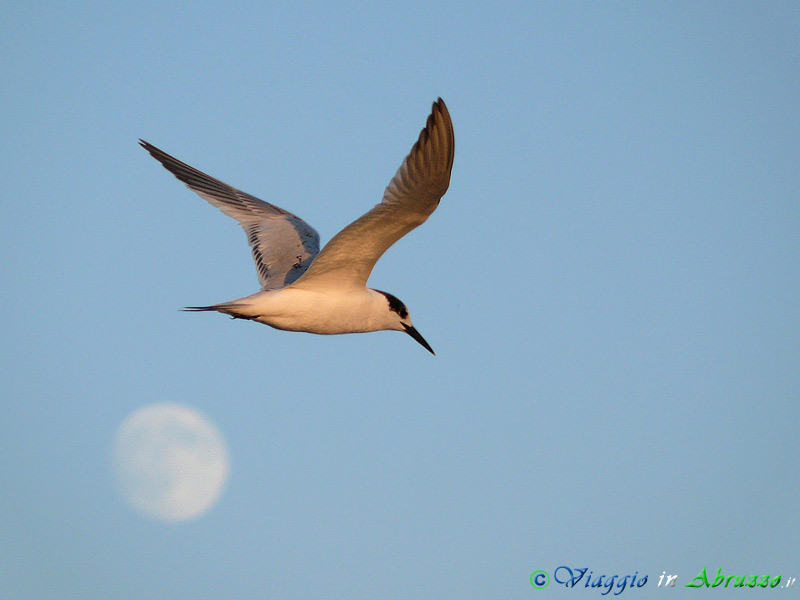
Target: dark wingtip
{"points": [[152, 150]]}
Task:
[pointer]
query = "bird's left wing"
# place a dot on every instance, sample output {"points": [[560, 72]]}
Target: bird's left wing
{"points": [[411, 196], [283, 245]]}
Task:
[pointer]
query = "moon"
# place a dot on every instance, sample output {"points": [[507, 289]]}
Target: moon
{"points": [[171, 463]]}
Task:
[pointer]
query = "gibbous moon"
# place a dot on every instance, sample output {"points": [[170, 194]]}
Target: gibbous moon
{"points": [[171, 463]]}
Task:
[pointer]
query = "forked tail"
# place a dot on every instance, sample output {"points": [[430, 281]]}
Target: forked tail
{"points": [[229, 308]]}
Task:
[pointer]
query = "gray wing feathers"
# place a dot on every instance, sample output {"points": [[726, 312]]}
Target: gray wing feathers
{"points": [[411, 196], [283, 249], [283, 245]]}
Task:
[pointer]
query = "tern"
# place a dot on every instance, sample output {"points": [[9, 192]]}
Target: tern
{"points": [[324, 292]]}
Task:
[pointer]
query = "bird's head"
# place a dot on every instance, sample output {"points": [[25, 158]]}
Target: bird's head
{"points": [[399, 319]]}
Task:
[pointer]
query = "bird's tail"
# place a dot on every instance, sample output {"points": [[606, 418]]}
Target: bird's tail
{"points": [[234, 309]]}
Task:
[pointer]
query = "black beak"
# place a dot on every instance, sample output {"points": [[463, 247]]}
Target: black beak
{"points": [[410, 330]]}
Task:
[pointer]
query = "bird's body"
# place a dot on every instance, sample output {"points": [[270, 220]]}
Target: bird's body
{"points": [[325, 292], [326, 312]]}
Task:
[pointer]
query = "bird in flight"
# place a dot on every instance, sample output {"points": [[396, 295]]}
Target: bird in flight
{"points": [[324, 292]]}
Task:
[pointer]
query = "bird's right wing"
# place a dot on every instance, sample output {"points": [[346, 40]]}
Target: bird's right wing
{"points": [[283, 245], [411, 196]]}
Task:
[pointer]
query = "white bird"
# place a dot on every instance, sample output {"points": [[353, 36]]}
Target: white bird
{"points": [[303, 289]]}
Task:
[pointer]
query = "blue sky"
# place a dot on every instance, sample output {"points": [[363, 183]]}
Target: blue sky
{"points": [[610, 284]]}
